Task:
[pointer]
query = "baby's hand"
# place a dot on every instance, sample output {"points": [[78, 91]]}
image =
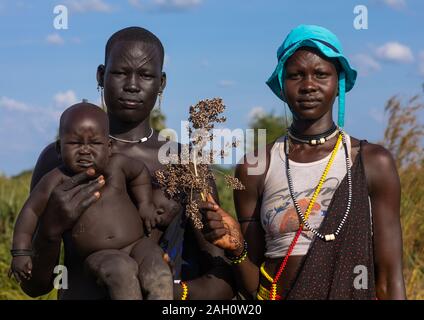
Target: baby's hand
{"points": [[21, 268], [151, 218]]}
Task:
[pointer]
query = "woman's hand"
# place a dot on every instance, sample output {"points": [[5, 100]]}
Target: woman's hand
{"points": [[220, 228], [69, 200]]}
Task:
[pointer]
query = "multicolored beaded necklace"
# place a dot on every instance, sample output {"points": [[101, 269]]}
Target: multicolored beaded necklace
{"points": [[304, 217], [327, 237]]}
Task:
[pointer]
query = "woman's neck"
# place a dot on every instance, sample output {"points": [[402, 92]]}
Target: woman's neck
{"points": [[311, 128], [129, 130]]}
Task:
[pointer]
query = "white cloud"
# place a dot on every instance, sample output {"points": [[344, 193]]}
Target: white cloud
{"points": [[65, 99], [421, 63], [28, 129], [226, 83], [165, 5], [135, 3], [182, 4], [48, 112], [89, 5], [13, 105], [395, 51], [365, 64], [377, 114], [55, 38], [256, 112], [395, 4]]}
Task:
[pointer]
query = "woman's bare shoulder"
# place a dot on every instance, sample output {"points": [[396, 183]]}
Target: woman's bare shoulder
{"points": [[47, 161], [379, 165], [255, 164]]}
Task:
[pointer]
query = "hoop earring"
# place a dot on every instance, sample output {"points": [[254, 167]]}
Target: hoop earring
{"points": [[159, 101], [102, 99], [285, 115], [287, 124]]}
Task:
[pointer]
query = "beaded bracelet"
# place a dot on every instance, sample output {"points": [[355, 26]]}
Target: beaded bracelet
{"points": [[184, 295], [21, 252], [241, 257]]}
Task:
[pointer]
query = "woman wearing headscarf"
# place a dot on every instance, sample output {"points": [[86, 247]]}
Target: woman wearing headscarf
{"points": [[322, 221]]}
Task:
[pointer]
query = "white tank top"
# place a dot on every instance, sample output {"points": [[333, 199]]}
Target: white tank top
{"points": [[278, 215]]}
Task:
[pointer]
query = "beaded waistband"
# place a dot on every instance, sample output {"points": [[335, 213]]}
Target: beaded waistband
{"points": [[265, 274], [264, 294]]}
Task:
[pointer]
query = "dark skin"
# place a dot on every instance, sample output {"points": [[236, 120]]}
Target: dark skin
{"points": [[310, 88], [111, 225], [132, 79]]}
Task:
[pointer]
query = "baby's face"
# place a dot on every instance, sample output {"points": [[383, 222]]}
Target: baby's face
{"points": [[85, 144]]}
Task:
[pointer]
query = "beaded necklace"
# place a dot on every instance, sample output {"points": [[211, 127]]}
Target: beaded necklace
{"points": [[141, 140], [273, 294], [332, 236], [313, 139]]}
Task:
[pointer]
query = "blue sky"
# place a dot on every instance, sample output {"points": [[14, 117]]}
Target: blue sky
{"points": [[213, 48]]}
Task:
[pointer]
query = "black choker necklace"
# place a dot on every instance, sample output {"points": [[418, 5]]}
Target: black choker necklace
{"points": [[313, 139]]}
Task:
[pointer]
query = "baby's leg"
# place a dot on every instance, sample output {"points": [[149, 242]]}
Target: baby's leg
{"points": [[154, 273], [117, 271]]}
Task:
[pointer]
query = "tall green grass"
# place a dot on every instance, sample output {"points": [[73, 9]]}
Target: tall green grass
{"points": [[403, 136], [412, 218], [13, 193]]}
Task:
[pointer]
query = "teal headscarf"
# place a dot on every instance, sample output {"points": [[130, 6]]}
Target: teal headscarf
{"points": [[328, 44]]}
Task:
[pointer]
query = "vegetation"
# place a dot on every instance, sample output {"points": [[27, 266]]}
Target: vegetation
{"points": [[403, 137]]}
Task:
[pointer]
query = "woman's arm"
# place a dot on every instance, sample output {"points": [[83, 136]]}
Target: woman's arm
{"points": [[216, 282], [248, 205], [66, 202], [384, 191], [221, 224]]}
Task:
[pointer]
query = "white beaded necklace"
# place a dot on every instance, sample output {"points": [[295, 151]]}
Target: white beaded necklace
{"points": [[313, 141], [141, 140], [327, 237]]}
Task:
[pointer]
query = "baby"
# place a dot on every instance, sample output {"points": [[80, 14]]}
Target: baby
{"points": [[113, 221]]}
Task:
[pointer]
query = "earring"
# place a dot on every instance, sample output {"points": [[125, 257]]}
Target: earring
{"points": [[285, 115], [102, 98], [98, 87], [159, 100]]}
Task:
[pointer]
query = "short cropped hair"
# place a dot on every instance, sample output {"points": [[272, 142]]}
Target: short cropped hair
{"points": [[134, 34]]}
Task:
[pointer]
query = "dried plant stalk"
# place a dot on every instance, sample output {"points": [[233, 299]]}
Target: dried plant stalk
{"points": [[186, 182]]}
